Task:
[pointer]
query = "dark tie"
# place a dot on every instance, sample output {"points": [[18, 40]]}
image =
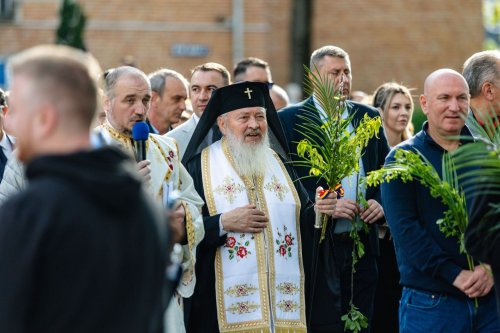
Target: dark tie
{"points": [[3, 161]]}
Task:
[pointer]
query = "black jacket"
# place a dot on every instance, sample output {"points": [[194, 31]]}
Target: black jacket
{"points": [[80, 249], [373, 155]]}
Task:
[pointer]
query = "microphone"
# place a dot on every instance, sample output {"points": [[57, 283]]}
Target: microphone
{"points": [[140, 134]]}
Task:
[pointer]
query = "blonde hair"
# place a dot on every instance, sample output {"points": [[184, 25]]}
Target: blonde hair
{"points": [[383, 96]]}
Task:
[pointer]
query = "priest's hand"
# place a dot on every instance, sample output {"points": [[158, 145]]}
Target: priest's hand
{"points": [[372, 212], [176, 219], [144, 169], [244, 219], [327, 205]]}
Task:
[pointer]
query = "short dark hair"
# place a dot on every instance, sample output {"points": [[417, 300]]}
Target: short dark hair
{"points": [[328, 50], [241, 67], [213, 66], [3, 99]]}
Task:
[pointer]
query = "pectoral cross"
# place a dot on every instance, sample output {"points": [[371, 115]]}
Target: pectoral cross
{"points": [[248, 91]]}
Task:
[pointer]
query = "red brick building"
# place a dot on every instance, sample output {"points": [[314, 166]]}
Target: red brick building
{"points": [[400, 40]]}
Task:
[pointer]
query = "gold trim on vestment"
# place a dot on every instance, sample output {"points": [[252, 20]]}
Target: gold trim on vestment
{"points": [[259, 244], [169, 172], [267, 293], [189, 228], [299, 237]]}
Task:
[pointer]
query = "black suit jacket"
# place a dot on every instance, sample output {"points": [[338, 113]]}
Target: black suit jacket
{"points": [[373, 155]]}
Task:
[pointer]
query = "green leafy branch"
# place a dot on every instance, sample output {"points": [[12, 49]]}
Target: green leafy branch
{"points": [[354, 320], [409, 166], [332, 153]]}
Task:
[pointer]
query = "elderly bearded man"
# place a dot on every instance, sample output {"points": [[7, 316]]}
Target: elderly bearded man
{"points": [[127, 100], [257, 218]]}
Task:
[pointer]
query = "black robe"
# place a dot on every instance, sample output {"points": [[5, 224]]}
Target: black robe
{"points": [[81, 249], [201, 309]]}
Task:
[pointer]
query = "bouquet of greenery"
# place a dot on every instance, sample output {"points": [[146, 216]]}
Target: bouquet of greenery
{"points": [[332, 153], [409, 166], [329, 150]]}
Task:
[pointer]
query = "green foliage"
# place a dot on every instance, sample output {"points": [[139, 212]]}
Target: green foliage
{"points": [[71, 25], [409, 166], [479, 162], [331, 152], [354, 320]]}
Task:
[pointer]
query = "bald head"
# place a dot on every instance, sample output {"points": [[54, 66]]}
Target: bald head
{"points": [[435, 78], [445, 103]]}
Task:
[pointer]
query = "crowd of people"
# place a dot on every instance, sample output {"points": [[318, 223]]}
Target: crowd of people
{"points": [[213, 229]]}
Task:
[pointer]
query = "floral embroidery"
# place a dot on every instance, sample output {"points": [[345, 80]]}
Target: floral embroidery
{"points": [[275, 186], [243, 307], [284, 242], [230, 242], [237, 247], [288, 305], [229, 189], [171, 154], [240, 290], [287, 288]]}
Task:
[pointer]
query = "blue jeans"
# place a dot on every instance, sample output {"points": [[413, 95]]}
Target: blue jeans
{"points": [[426, 312]]}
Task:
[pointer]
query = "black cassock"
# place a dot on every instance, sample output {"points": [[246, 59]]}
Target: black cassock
{"points": [[201, 309]]}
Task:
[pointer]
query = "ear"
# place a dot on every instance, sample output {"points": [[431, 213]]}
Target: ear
{"points": [[487, 91], [46, 121], [155, 97], [423, 104], [106, 103], [221, 121]]}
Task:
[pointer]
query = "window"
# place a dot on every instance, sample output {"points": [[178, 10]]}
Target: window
{"points": [[6, 9]]}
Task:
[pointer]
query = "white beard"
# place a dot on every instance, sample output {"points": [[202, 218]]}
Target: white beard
{"points": [[249, 159]]}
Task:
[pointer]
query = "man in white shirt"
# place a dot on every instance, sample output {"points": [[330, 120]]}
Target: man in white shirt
{"points": [[205, 79]]}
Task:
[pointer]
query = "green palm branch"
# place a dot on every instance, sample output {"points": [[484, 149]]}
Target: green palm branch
{"points": [[479, 162], [409, 166], [329, 150], [332, 153]]}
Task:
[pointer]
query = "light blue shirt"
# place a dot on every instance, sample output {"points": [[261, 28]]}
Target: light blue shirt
{"points": [[348, 183]]}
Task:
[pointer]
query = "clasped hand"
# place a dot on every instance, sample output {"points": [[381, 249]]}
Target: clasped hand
{"points": [[244, 219]]}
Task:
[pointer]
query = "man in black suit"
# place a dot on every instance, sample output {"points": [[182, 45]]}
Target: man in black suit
{"points": [[335, 251]]}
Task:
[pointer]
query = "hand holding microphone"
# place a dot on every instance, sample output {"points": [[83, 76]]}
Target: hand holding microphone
{"points": [[140, 134]]}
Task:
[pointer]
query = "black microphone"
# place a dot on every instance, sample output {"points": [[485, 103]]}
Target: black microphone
{"points": [[140, 134]]}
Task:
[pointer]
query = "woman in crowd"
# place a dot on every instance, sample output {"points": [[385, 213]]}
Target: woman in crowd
{"points": [[395, 104]]}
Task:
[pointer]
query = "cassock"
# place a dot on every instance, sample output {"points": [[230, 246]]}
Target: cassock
{"points": [[168, 175], [201, 309], [228, 289]]}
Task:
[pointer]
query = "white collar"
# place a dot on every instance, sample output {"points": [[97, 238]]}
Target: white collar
{"points": [[196, 118], [322, 112]]}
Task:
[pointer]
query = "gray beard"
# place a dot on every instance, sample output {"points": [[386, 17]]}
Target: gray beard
{"points": [[249, 159]]}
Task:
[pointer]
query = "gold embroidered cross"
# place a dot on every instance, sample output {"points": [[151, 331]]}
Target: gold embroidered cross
{"points": [[248, 91]]}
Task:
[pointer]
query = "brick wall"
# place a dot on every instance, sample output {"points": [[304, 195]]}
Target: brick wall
{"points": [[400, 40]]}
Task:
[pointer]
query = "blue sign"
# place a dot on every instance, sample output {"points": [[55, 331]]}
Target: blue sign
{"points": [[189, 50]]}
